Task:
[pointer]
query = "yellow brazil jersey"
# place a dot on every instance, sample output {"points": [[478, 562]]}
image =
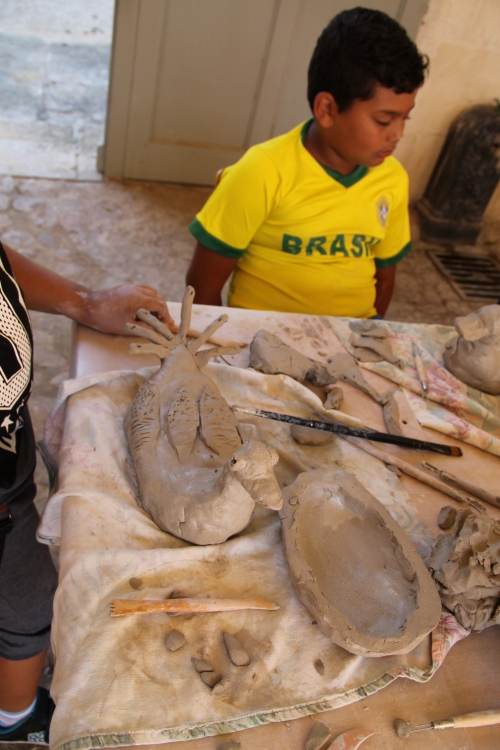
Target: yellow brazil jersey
{"points": [[307, 239]]}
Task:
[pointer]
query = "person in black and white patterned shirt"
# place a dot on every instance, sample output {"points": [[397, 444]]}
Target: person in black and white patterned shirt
{"points": [[27, 576]]}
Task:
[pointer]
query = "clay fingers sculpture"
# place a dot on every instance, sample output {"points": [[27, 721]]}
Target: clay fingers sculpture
{"points": [[195, 477]]}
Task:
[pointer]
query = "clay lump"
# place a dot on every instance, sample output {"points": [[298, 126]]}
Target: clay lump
{"points": [[466, 565], [474, 355]]}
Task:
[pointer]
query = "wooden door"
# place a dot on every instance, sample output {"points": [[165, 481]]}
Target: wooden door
{"points": [[194, 83]]}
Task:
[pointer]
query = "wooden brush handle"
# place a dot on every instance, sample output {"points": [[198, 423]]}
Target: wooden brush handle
{"points": [[123, 607], [477, 719], [412, 471]]}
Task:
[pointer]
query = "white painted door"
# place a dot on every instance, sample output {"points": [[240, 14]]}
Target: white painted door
{"points": [[194, 83]]}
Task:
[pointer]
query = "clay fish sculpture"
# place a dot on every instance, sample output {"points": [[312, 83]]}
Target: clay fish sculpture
{"points": [[354, 568], [195, 477]]}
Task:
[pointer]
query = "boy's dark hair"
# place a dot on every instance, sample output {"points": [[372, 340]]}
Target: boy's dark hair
{"points": [[358, 49]]}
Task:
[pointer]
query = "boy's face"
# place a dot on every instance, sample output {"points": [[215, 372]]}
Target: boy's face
{"points": [[367, 132]]}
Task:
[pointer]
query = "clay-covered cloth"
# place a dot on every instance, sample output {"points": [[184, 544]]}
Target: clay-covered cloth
{"points": [[452, 407], [115, 683]]}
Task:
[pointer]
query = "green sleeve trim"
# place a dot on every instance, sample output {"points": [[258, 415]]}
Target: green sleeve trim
{"points": [[208, 240], [388, 262]]}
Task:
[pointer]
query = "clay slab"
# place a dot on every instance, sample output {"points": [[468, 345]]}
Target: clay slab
{"points": [[272, 356], [354, 568]]}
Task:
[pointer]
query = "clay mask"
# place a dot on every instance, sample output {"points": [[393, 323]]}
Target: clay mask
{"points": [[195, 477], [474, 355], [354, 568]]}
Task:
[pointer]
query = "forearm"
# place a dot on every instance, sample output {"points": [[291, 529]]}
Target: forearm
{"points": [[106, 310], [384, 285], [46, 291], [207, 273]]}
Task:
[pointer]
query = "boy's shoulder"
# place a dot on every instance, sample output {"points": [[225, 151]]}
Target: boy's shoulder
{"points": [[391, 172], [275, 148]]}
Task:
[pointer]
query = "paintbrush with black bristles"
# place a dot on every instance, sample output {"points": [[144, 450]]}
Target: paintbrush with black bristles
{"points": [[341, 429]]}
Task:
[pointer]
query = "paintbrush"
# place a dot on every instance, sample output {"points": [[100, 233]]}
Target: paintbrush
{"points": [[123, 607], [422, 372], [341, 429]]}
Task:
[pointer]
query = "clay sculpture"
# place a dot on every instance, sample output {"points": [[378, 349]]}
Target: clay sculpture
{"points": [[367, 327], [466, 564], [272, 356], [346, 369], [354, 568], [196, 478], [379, 346], [474, 355]]}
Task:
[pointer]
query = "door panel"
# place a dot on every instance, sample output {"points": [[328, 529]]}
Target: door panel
{"points": [[194, 83]]}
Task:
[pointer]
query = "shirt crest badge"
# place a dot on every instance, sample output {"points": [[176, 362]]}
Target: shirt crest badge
{"points": [[382, 211]]}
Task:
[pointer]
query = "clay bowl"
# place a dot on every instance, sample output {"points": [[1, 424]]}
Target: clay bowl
{"points": [[354, 568]]}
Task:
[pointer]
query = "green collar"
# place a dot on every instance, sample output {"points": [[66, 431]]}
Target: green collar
{"points": [[347, 180]]}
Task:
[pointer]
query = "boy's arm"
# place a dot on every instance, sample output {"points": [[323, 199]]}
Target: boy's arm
{"points": [[106, 310], [207, 273], [384, 287]]}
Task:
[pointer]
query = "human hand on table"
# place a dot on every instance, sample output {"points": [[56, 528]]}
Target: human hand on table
{"points": [[108, 310]]}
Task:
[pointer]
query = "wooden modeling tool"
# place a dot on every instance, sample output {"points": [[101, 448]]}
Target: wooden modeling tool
{"points": [[478, 719], [340, 429], [485, 495], [413, 471], [123, 607], [422, 372]]}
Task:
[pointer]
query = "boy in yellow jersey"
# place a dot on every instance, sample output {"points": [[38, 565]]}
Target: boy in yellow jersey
{"points": [[315, 221]]}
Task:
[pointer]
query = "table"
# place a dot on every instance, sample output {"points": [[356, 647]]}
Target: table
{"points": [[467, 681]]}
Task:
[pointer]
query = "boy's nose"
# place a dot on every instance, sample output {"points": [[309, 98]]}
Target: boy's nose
{"points": [[397, 131]]}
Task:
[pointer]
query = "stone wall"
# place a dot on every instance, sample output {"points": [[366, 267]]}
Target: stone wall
{"points": [[462, 39]]}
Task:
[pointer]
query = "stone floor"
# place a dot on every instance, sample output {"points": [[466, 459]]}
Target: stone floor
{"points": [[107, 233], [54, 71]]}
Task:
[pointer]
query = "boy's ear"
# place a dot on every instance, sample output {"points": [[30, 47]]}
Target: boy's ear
{"points": [[325, 109]]}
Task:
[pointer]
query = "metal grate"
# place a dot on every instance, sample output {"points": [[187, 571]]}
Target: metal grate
{"points": [[472, 277]]}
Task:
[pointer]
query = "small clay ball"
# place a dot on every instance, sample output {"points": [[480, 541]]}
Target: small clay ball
{"points": [[211, 678], [201, 665], [136, 583], [319, 666], [235, 651], [447, 517], [401, 728], [175, 640], [221, 686], [310, 435], [395, 470]]}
